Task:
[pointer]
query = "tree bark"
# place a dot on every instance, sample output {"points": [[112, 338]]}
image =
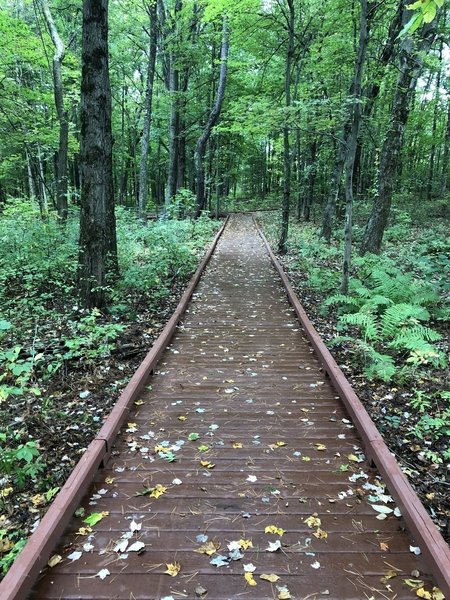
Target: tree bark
{"points": [[409, 72], [282, 249], [355, 120], [61, 161], [145, 141], [214, 115], [446, 154], [98, 248]]}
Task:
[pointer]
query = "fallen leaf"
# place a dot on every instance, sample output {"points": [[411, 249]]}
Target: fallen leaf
{"points": [[237, 445], [320, 534], [245, 544], [271, 577], [252, 478], [313, 521], [200, 591], [182, 418], [207, 464], [320, 447], [75, 556], [274, 529], [219, 561], [249, 568], [193, 436], [316, 565], [102, 574], [54, 560], [415, 550], [139, 402], [136, 547], [173, 569], [353, 458], [94, 518], [203, 448], [110, 480], [209, 548], [274, 546], [283, 593], [84, 531], [305, 458], [250, 579], [422, 593], [121, 546], [384, 547]]}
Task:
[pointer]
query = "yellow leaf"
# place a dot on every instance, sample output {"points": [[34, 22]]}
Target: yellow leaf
{"points": [[320, 446], [139, 402], [423, 594], [279, 444], [437, 594], [237, 445], [320, 534], [84, 531], [250, 579], [305, 458], [245, 544], [38, 500], [173, 569], [284, 595], [209, 548], [274, 529], [110, 480], [384, 547], [182, 418], [313, 521], [6, 492], [6, 544], [207, 464], [131, 425], [158, 491], [353, 458], [54, 560], [272, 577], [161, 449]]}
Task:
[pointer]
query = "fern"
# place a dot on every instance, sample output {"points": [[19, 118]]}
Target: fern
{"points": [[381, 366], [367, 323], [402, 314], [414, 337], [346, 302]]}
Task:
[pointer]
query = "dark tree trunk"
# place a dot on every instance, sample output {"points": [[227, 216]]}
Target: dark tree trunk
{"points": [[446, 154], [98, 248], [214, 115], [409, 71], [61, 159], [143, 167], [310, 180], [434, 127], [286, 145], [352, 141]]}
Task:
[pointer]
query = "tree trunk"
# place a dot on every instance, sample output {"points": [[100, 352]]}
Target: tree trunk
{"points": [[355, 120], [98, 248], [409, 71], [446, 154], [212, 120], [143, 167], [434, 127], [61, 161], [286, 146]]}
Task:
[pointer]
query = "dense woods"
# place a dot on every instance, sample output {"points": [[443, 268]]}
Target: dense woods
{"points": [[125, 125]]}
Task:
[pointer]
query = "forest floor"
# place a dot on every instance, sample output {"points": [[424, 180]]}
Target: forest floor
{"points": [[416, 433]]}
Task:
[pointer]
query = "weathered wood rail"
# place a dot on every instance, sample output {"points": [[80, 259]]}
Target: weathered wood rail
{"points": [[247, 428]]}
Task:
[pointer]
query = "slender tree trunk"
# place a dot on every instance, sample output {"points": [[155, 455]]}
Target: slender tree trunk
{"points": [[143, 167], [310, 179], [352, 143], [446, 154], [437, 94], [61, 161], [282, 248], [214, 115], [409, 71], [98, 248]]}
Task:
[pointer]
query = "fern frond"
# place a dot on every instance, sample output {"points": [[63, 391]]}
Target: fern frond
{"points": [[367, 322], [402, 314], [412, 338]]}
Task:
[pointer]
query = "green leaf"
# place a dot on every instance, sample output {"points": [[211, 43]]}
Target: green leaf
{"points": [[429, 13], [94, 518]]}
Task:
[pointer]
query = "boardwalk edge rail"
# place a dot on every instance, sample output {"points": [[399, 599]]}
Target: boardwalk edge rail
{"points": [[435, 550], [24, 572]]}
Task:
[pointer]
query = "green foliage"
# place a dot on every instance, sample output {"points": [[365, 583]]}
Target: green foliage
{"points": [[21, 462]]}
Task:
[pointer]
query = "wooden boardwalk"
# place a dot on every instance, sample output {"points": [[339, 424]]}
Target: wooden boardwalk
{"points": [[237, 437]]}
